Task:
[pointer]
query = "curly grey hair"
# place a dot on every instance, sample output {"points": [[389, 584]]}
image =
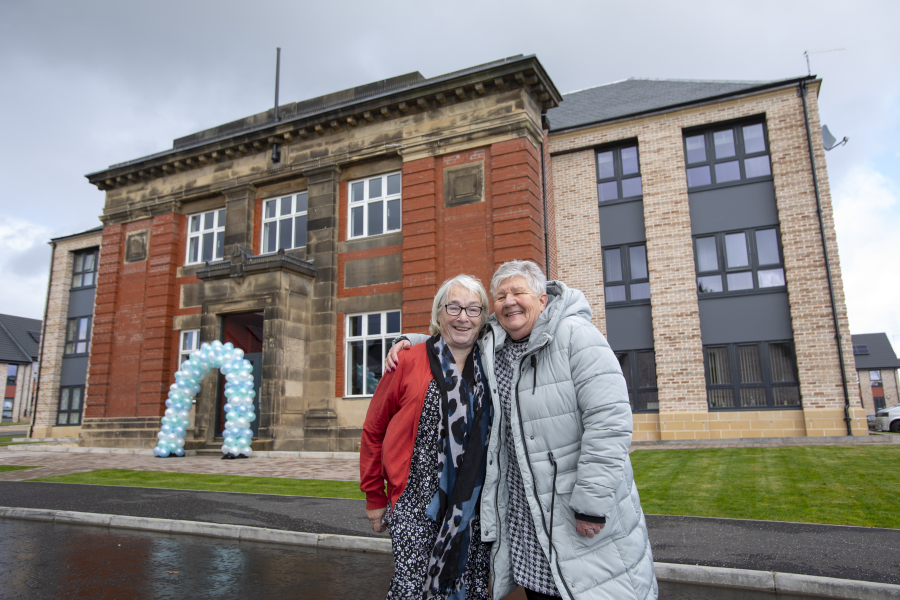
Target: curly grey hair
{"points": [[467, 282], [532, 273]]}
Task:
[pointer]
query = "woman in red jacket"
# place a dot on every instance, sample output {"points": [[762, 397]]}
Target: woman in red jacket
{"points": [[424, 440]]}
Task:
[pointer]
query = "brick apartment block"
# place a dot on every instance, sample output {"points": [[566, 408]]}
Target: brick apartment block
{"points": [[311, 239], [730, 294]]}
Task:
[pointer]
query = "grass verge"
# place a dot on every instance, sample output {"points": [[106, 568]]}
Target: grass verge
{"points": [[25, 423], [838, 485], [6, 468], [214, 483]]}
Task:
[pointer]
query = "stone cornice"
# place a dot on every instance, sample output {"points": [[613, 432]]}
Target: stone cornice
{"points": [[525, 73], [243, 263], [452, 140]]}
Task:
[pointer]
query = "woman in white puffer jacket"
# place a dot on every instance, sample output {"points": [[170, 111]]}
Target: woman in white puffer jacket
{"points": [[559, 500]]}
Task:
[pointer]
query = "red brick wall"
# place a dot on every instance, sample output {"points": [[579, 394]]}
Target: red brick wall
{"points": [[133, 350], [343, 292], [439, 242]]}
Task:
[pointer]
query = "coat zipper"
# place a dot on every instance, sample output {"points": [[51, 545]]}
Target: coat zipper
{"points": [[534, 487]]}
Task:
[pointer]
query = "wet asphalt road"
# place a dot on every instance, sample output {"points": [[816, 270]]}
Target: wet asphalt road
{"points": [[290, 513], [866, 554], [60, 562]]}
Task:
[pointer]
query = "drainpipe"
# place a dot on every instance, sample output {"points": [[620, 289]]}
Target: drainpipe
{"points": [[837, 329], [544, 195], [37, 387]]}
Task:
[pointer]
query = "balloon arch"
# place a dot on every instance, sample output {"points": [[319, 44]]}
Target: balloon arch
{"points": [[239, 391]]}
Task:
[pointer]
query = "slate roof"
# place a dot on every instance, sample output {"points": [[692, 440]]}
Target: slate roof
{"points": [[19, 339], [881, 353], [93, 230], [633, 97]]}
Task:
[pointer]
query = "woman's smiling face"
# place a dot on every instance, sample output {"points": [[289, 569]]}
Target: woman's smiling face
{"points": [[516, 306], [460, 331]]}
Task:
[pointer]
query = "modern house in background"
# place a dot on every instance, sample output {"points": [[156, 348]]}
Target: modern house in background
{"points": [[706, 267], [66, 345], [310, 235], [877, 366], [19, 341]]}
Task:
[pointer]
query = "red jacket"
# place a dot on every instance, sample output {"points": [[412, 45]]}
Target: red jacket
{"points": [[391, 426]]}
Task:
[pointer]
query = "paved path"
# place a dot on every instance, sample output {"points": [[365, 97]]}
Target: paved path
{"points": [[62, 463]]}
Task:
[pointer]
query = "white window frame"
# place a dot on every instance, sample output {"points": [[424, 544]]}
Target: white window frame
{"points": [[366, 201], [384, 335], [875, 375], [217, 229], [188, 341], [279, 218]]}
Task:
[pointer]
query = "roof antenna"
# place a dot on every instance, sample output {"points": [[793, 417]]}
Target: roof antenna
{"points": [[808, 52], [276, 154]]}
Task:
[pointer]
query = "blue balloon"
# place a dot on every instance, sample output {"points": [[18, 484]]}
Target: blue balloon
{"points": [[179, 452], [180, 431]]}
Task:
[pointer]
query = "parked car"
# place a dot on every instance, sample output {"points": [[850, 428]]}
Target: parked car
{"points": [[888, 419], [870, 420]]}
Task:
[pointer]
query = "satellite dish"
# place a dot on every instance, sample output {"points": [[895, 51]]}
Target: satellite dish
{"points": [[830, 142]]}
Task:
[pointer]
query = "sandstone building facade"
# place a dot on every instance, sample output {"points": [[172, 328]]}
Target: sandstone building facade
{"points": [[309, 240]]}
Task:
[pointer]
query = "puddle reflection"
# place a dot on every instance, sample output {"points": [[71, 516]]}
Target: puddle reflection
{"points": [[45, 560]]}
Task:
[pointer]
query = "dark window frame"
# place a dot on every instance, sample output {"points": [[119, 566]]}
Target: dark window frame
{"points": [[69, 411], [616, 148], [78, 261], [708, 132], [754, 267], [766, 370], [632, 379], [76, 340], [11, 379], [627, 281]]}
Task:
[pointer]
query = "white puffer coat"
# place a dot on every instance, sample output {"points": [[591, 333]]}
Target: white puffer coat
{"points": [[570, 407]]}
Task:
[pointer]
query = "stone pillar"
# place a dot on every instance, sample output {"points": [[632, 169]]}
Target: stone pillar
{"points": [[240, 202], [321, 418]]}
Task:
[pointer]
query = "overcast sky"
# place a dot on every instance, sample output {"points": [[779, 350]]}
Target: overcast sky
{"points": [[91, 83]]}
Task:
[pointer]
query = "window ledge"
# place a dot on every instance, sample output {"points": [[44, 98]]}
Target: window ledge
{"points": [[628, 303], [746, 408], [369, 397], [620, 201], [768, 290], [719, 186]]}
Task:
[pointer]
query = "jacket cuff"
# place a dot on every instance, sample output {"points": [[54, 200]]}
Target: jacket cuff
{"points": [[590, 518], [375, 501]]}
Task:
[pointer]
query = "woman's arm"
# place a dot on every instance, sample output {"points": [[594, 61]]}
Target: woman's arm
{"points": [[383, 406], [393, 355]]}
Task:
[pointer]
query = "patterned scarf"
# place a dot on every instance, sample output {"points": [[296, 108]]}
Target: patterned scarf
{"points": [[466, 412]]}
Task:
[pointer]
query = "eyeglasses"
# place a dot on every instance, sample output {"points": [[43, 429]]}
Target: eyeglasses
{"points": [[454, 310]]}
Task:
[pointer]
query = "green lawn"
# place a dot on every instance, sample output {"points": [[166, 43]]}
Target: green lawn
{"points": [[15, 424], [5, 468], [215, 483], [839, 485]]}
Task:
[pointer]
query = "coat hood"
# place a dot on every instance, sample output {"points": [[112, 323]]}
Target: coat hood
{"points": [[562, 302]]}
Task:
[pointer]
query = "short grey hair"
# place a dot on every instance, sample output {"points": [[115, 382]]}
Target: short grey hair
{"points": [[532, 273], [467, 282]]}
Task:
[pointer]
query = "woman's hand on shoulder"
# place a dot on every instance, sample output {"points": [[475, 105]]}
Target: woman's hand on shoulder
{"points": [[376, 518], [393, 355]]}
